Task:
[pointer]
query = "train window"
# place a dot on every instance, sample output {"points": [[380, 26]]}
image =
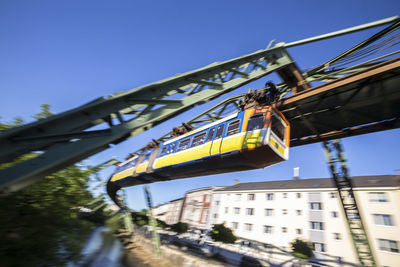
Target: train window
{"points": [[210, 135], [198, 139], [233, 128], [172, 148], [220, 129], [277, 126], [164, 150], [183, 145], [256, 122]]}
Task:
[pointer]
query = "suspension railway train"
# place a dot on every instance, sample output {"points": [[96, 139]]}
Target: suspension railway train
{"points": [[250, 139]]}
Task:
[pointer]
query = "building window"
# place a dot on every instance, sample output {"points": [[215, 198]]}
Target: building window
{"points": [[269, 196], [269, 212], [284, 211], [235, 225], [388, 245], [238, 197], [336, 236], [267, 229], [298, 212], [298, 195], [383, 219], [215, 215], [226, 210], [248, 226], [332, 195], [316, 205], [317, 225], [377, 197], [284, 229], [319, 247], [217, 203], [299, 231], [334, 214], [284, 195], [236, 211], [251, 196], [249, 211]]}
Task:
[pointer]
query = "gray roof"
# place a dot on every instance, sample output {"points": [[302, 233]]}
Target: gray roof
{"points": [[358, 182]]}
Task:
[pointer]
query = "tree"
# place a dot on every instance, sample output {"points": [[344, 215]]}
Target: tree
{"points": [[44, 113], [40, 222], [222, 233], [180, 227], [301, 249]]}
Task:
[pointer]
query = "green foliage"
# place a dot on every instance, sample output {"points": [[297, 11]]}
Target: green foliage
{"points": [[220, 232], [44, 113], [301, 247], [162, 224], [39, 224], [140, 218], [301, 256], [180, 227]]}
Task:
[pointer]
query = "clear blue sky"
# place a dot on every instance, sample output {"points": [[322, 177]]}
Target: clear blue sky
{"points": [[66, 53]]}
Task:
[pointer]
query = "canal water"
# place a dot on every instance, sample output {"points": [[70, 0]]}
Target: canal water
{"points": [[102, 249]]}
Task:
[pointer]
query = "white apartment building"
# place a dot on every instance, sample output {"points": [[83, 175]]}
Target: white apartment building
{"points": [[169, 212], [196, 207], [162, 211], [277, 212], [175, 212]]}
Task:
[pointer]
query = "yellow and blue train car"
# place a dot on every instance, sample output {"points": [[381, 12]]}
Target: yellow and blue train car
{"points": [[250, 139]]}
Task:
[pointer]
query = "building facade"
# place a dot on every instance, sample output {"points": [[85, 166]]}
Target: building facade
{"points": [[196, 207], [162, 211], [175, 212], [169, 212], [277, 212]]}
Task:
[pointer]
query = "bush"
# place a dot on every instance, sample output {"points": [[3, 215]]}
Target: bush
{"points": [[180, 227], [301, 247], [161, 224], [222, 233]]}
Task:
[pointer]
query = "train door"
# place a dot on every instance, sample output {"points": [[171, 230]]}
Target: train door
{"points": [[216, 143]]}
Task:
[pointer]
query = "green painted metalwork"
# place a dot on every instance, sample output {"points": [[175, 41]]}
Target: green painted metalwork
{"points": [[338, 168], [153, 222], [127, 216], [343, 32], [67, 137]]}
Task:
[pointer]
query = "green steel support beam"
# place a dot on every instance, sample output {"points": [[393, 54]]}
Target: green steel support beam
{"points": [[339, 171], [153, 222], [343, 32], [66, 138]]}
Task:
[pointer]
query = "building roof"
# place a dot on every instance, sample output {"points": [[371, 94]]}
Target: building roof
{"points": [[203, 189], [358, 182]]}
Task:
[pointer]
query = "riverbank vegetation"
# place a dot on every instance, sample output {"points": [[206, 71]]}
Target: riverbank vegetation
{"points": [[39, 225]]}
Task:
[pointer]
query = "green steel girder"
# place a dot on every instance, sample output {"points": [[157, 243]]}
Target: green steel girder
{"points": [[66, 138]]}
